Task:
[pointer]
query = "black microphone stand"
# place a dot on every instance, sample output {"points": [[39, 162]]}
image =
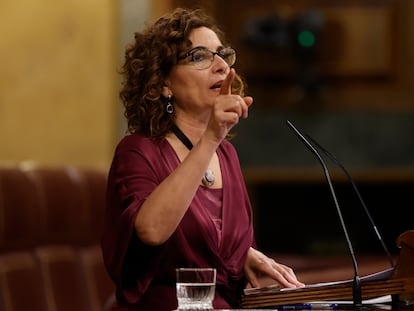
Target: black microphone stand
{"points": [[351, 180], [356, 288]]}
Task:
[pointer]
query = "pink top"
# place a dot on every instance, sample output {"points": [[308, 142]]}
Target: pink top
{"points": [[216, 231], [213, 200]]}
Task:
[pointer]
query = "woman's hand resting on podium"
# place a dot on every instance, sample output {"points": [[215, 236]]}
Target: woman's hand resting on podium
{"points": [[258, 265]]}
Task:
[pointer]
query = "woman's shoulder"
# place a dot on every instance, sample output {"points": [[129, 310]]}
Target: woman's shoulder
{"points": [[228, 149], [227, 146], [137, 142]]}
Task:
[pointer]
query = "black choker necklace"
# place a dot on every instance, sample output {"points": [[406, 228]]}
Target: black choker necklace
{"points": [[208, 178]]}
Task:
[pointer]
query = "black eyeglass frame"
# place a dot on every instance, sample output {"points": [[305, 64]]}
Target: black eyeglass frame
{"points": [[218, 53]]}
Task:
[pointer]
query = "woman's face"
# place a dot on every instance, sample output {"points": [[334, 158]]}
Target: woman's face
{"points": [[192, 88]]}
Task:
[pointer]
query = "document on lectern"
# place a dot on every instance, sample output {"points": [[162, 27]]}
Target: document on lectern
{"points": [[377, 276]]}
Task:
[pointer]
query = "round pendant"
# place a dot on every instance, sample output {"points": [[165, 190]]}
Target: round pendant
{"points": [[208, 179]]}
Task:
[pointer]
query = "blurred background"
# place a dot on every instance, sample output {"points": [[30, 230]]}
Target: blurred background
{"points": [[342, 71]]}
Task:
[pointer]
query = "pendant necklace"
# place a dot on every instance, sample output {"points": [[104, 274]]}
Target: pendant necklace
{"points": [[208, 178]]}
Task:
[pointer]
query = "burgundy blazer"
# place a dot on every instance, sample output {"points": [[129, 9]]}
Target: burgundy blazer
{"points": [[144, 275]]}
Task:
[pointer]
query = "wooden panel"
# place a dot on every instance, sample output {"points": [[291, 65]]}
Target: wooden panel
{"points": [[350, 40], [58, 81], [363, 41]]}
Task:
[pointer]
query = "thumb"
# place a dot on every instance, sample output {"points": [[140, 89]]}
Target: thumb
{"points": [[248, 100], [252, 279], [226, 86]]}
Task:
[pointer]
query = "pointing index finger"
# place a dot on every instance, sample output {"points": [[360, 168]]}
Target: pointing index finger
{"points": [[226, 86]]}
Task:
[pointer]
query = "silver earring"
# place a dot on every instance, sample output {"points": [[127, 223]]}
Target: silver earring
{"points": [[169, 108]]}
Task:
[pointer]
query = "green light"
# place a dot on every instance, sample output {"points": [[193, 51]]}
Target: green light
{"points": [[306, 38]]}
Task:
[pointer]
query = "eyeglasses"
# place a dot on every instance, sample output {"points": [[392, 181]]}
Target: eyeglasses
{"points": [[202, 58]]}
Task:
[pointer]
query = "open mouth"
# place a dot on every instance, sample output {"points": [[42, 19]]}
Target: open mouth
{"points": [[216, 86]]}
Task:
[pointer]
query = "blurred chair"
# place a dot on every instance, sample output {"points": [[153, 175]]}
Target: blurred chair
{"points": [[21, 283], [51, 220], [65, 212], [65, 285], [99, 285], [93, 182], [20, 210]]}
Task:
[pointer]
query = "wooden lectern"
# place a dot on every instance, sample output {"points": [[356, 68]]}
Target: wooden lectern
{"points": [[400, 285]]}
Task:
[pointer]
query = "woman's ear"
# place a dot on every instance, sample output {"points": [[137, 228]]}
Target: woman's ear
{"points": [[166, 91]]}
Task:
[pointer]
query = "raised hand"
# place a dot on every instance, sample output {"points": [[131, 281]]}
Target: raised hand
{"points": [[228, 108]]}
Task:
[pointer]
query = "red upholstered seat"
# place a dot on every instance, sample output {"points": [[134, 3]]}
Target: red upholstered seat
{"points": [[64, 281], [21, 283], [64, 217], [51, 221], [20, 210], [98, 284]]}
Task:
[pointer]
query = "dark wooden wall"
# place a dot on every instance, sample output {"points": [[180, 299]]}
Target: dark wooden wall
{"points": [[352, 90]]}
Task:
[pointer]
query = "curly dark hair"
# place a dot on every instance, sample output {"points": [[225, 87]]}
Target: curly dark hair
{"points": [[148, 62]]}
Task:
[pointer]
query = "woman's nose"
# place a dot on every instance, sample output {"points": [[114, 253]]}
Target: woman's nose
{"points": [[220, 64]]}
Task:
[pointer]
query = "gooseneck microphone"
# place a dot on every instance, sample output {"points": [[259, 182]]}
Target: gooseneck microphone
{"points": [[356, 289], [351, 180]]}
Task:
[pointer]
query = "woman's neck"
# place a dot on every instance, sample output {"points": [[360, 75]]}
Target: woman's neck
{"points": [[192, 128]]}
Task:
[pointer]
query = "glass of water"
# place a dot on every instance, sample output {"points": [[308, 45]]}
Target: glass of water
{"points": [[195, 288]]}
